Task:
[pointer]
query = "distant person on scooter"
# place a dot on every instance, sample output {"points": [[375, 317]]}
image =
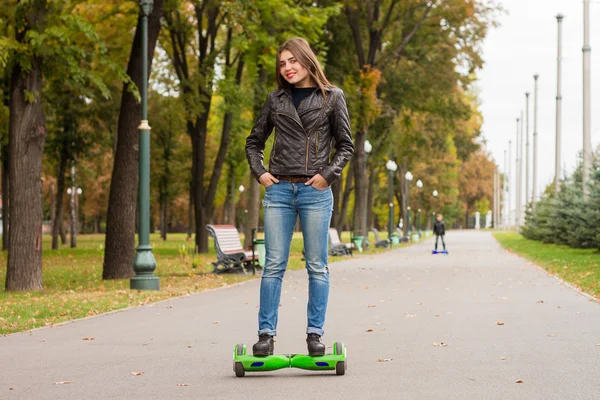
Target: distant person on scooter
{"points": [[439, 228]]}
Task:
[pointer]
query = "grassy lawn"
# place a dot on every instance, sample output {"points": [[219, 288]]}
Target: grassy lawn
{"points": [[73, 285], [579, 267]]}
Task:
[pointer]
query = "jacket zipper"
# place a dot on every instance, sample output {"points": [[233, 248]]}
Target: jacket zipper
{"points": [[307, 150], [318, 132], [293, 119]]}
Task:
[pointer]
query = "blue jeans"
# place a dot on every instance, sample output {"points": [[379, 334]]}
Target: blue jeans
{"points": [[284, 201]]}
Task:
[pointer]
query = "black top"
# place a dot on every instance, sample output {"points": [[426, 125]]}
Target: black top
{"points": [[439, 228], [299, 94]]}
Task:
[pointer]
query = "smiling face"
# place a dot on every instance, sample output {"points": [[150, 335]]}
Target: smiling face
{"points": [[292, 71]]}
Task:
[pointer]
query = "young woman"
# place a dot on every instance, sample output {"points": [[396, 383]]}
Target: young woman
{"points": [[308, 114]]}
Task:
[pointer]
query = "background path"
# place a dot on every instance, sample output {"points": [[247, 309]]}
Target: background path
{"points": [[407, 297]]}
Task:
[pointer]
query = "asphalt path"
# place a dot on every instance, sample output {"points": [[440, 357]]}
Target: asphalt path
{"points": [[480, 323]]}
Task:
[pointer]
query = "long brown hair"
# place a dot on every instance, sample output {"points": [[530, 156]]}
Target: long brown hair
{"points": [[300, 48]]}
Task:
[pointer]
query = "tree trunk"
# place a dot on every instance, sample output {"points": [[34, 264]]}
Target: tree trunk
{"points": [[191, 211], [62, 231], [120, 220], [370, 193], [229, 205], [60, 190], [336, 190], [27, 134], [208, 199], [253, 199], [348, 187], [5, 197], [253, 207], [360, 184]]}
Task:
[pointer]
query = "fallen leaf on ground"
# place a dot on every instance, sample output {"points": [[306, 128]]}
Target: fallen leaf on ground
{"points": [[410, 315], [11, 388], [540, 301], [440, 344], [137, 373], [183, 384], [519, 381], [88, 338], [503, 358], [215, 322], [598, 345], [190, 346], [384, 359], [63, 382], [369, 330], [372, 305], [437, 315], [499, 323], [552, 335]]}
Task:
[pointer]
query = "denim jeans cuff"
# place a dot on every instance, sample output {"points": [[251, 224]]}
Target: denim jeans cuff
{"points": [[318, 331], [269, 332]]}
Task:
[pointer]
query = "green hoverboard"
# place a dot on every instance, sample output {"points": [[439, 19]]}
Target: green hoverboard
{"points": [[243, 362]]}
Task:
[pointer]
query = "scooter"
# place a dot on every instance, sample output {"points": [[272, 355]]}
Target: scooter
{"points": [[243, 362]]}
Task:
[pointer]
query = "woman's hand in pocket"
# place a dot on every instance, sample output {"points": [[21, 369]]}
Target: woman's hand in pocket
{"points": [[318, 182], [267, 179]]}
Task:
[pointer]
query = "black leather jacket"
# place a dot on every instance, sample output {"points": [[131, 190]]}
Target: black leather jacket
{"points": [[439, 228], [303, 137]]}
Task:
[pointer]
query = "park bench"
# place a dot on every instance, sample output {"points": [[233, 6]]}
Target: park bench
{"points": [[403, 239], [231, 256], [336, 247], [378, 241]]}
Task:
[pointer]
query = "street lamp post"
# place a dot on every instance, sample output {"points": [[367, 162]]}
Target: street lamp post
{"points": [[368, 148], [587, 141], [420, 186], [409, 178], [391, 167], [435, 195], [144, 263], [241, 189], [559, 19]]}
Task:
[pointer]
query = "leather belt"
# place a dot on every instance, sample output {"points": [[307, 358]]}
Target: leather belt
{"points": [[293, 179]]}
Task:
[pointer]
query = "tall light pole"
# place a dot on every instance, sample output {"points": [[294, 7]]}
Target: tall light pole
{"points": [[509, 194], [435, 195], [496, 220], [420, 186], [391, 167], [587, 141], [559, 18], [144, 263], [409, 177], [368, 215], [504, 192], [535, 109], [518, 180], [527, 149]]}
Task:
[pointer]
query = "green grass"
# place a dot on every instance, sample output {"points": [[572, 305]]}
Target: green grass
{"points": [[73, 285], [579, 267]]}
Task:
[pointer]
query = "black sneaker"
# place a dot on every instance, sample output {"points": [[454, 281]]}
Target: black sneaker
{"points": [[264, 346], [315, 347]]}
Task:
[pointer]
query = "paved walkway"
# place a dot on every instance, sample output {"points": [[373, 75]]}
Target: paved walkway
{"points": [[407, 297]]}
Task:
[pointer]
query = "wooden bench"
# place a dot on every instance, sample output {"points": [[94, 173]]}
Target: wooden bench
{"points": [[231, 255], [336, 247], [383, 243]]}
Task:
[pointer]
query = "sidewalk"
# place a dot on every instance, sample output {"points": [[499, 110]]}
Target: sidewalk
{"points": [[407, 297]]}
